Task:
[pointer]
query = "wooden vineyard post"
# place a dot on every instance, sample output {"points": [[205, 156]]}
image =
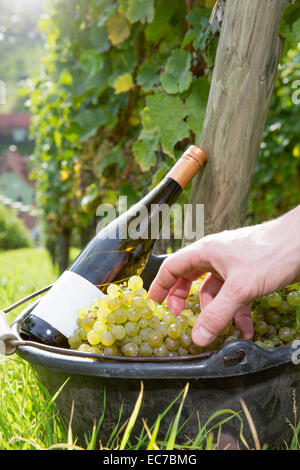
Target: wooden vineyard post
{"points": [[242, 84]]}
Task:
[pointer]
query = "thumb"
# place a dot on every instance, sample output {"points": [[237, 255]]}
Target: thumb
{"points": [[215, 316]]}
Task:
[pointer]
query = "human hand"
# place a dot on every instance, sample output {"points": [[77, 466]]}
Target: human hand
{"points": [[243, 264]]}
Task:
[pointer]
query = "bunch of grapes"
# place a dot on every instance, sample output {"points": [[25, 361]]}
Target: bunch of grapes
{"points": [[126, 322], [276, 317]]}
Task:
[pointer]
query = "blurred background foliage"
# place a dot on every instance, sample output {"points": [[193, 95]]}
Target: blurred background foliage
{"points": [[122, 91]]}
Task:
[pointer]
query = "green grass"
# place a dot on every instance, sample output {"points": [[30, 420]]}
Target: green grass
{"points": [[28, 416]]}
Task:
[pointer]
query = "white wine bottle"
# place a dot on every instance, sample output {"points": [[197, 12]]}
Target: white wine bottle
{"points": [[113, 255]]}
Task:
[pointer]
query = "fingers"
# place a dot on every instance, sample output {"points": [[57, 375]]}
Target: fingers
{"points": [[210, 288], [244, 323], [215, 316], [189, 263], [177, 295]]}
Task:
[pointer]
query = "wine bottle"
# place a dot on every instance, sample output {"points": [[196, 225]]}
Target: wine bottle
{"points": [[118, 251]]}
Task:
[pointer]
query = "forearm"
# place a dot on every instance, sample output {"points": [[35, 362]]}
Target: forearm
{"points": [[282, 239]]}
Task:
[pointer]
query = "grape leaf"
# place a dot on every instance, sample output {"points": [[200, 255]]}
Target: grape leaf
{"points": [[118, 29], [89, 122], [91, 61], [161, 25], [290, 23], [99, 38], [140, 10], [123, 83], [166, 113], [148, 75], [195, 103], [145, 147], [197, 17], [177, 76]]}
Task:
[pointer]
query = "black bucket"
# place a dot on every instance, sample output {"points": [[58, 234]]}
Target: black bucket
{"points": [[267, 380]]}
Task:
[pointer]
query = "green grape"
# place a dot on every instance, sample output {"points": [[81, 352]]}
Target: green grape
{"points": [[126, 298], [112, 303], [182, 351], [217, 343], [134, 314], [230, 338], [114, 290], [260, 343], [169, 318], [93, 337], [132, 328], [102, 315], [154, 321], [111, 350], [139, 302], [107, 339], [187, 312], [287, 320], [136, 340], [130, 350], [155, 339], [261, 327], [145, 332], [268, 344], [185, 340], [103, 304], [135, 282], [126, 339], [162, 328], [275, 340], [88, 322], [82, 313], [191, 320], [74, 341], [272, 317], [286, 334], [82, 334], [235, 332], [274, 299], [181, 322], [196, 309], [143, 323], [152, 304], [159, 311], [257, 315], [79, 322], [172, 344], [161, 351], [95, 350], [118, 332], [84, 347], [99, 326], [174, 331], [145, 349], [271, 331], [173, 354], [293, 298], [285, 308], [146, 313], [120, 316], [195, 349], [141, 292]]}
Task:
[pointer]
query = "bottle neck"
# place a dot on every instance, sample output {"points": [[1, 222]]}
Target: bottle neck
{"points": [[184, 170]]}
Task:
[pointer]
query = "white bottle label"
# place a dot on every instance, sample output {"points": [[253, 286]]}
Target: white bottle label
{"points": [[59, 306]]}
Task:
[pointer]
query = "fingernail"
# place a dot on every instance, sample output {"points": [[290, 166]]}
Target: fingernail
{"points": [[202, 336]]}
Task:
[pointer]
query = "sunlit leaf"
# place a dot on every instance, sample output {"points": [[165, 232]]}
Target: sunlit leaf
{"points": [[118, 29]]}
